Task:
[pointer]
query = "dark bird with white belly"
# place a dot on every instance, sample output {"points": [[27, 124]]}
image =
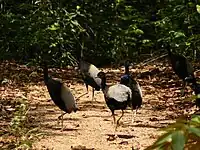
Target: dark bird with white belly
{"points": [[116, 96], [89, 73]]}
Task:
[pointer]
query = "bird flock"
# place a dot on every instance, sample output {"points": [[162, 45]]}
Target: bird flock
{"points": [[119, 96]]}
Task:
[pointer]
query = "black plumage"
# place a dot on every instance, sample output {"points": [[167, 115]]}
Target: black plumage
{"points": [[116, 96], [181, 67], [89, 75], [196, 88], [59, 93], [128, 80]]}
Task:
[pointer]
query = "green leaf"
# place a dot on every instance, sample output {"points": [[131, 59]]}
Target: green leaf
{"points": [[191, 4], [187, 43], [78, 7], [162, 140], [145, 41], [180, 124], [179, 34], [138, 32], [54, 27], [198, 8], [178, 140], [195, 131], [196, 119], [75, 22]]}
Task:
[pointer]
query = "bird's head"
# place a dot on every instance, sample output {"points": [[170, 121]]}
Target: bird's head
{"points": [[125, 79]]}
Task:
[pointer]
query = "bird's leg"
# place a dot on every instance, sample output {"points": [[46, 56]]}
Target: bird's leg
{"points": [[62, 123], [134, 115], [86, 87], [61, 118], [113, 115], [92, 94], [114, 133], [119, 119], [183, 89]]}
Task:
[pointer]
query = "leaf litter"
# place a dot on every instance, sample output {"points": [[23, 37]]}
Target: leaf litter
{"points": [[92, 126]]}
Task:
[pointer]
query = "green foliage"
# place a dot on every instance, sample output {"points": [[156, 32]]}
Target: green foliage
{"points": [[106, 30], [198, 8], [180, 135], [20, 118], [20, 128], [183, 134]]}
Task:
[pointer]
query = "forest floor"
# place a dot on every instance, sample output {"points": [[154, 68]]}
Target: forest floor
{"points": [[92, 126]]}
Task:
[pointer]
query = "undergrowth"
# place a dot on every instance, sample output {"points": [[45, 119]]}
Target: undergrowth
{"points": [[20, 134]]}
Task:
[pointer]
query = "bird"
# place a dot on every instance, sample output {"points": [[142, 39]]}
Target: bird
{"points": [[182, 67], [89, 73], [59, 93], [117, 96], [196, 88], [128, 80]]}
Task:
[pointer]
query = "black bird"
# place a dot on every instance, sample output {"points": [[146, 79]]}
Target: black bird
{"points": [[116, 96], [89, 73], [59, 93], [128, 80], [181, 67]]}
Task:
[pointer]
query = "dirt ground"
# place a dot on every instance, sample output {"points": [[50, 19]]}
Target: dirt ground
{"points": [[92, 126]]}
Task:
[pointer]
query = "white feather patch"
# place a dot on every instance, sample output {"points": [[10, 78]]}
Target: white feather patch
{"points": [[119, 92], [68, 98], [139, 88], [93, 71]]}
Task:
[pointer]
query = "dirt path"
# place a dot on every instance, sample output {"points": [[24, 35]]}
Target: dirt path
{"points": [[92, 127]]}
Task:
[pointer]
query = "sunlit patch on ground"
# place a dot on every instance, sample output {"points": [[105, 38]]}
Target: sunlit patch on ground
{"points": [[92, 126]]}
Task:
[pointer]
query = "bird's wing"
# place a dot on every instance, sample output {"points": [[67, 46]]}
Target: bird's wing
{"points": [[90, 72], [68, 98], [132, 84], [88, 68], [93, 70], [53, 86], [139, 89], [119, 92]]}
